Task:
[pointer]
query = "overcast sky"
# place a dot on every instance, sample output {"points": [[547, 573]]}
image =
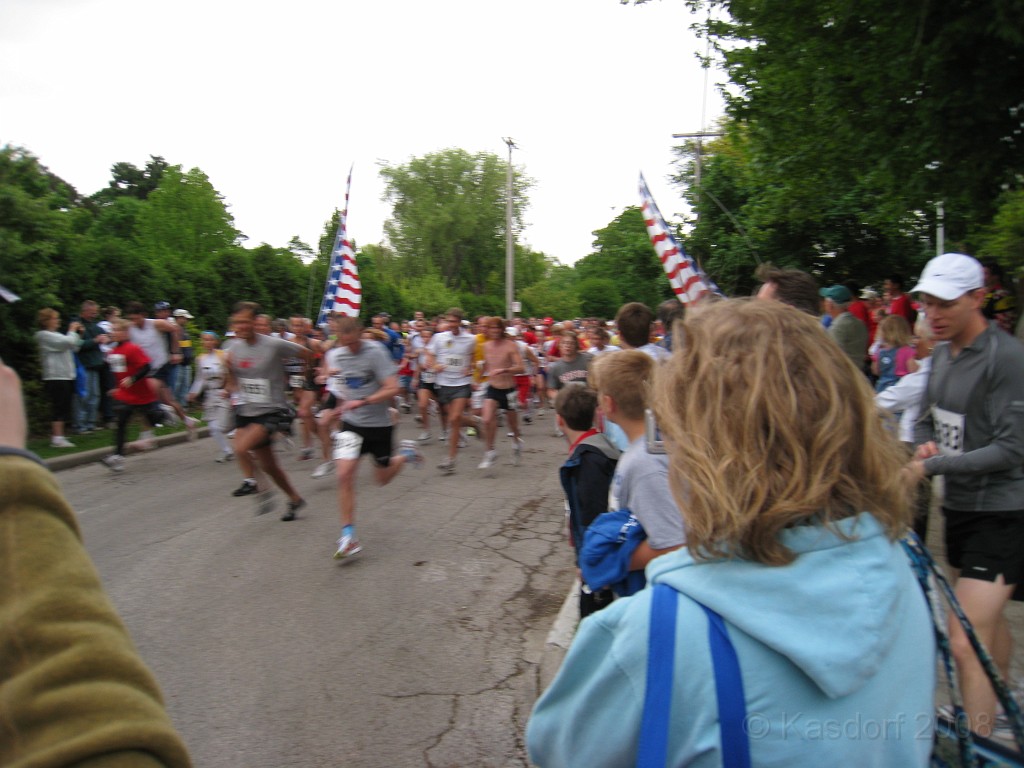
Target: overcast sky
{"points": [[275, 100]]}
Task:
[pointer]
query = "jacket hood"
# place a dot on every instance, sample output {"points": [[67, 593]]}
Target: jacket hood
{"points": [[601, 444], [833, 612]]}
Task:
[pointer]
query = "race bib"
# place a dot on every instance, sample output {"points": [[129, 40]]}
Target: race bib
{"points": [[255, 390], [427, 377], [949, 431], [454, 362], [117, 363], [296, 382], [476, 401], [347, 445]]}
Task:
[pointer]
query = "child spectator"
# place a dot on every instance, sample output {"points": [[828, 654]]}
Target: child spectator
{"points": [[640, 483], [586, 475], [895, 356]]}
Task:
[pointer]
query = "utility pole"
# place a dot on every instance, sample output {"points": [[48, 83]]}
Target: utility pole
{"points": [[510, 245]]}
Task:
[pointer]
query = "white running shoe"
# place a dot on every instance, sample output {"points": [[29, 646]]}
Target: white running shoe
{"points": [[348, 546], [517, 451], [323, 470], [489, 458], [170, 413], [114, 462], [59, 441], [447, 467], [424, 436], [463, 443], [226, 456]]}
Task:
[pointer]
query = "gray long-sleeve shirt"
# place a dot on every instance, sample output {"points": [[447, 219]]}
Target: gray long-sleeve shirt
{"points": [[973, 408]]}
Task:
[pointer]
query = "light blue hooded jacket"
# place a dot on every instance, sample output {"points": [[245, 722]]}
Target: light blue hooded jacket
{"points": [[836, 651]]}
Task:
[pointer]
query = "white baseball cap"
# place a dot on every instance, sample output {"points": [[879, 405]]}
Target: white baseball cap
{"points": [[950, 276]]}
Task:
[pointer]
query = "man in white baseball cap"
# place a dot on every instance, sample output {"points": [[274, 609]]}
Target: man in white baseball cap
{"points": [[972, 432]]}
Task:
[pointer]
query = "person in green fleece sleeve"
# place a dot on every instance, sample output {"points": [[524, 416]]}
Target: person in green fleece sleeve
{"points": [[73, 689]]}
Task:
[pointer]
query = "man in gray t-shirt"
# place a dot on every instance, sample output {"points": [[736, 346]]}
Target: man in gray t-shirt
{"points": [[367, 382], [255, 366]]}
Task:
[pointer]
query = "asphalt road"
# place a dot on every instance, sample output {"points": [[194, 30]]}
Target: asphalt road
{"points": [[425, 650]]}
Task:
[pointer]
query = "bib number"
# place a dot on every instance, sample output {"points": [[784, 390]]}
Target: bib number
{"points": [[454, 362], [255, 390], [347, 445], [949, 431], [296, 382], [117, 363]]}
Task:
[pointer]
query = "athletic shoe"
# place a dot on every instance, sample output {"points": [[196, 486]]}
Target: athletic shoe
{"points": [[348, 546], [230, 435], [489, 458], [192, 425], [559, 433], [540, 413], [264, 502], [142, 445], [517, 451], [443, 437], [527, 419], [59, 441], [245, 489], [306, 454], [447, 467], [406, 408], [291, 509], [470, 432], [418, 419], [411, 452], [393, 415], [323, 470], [463, 443], [226, 456], [424, 436], [114, 462], [172, 416]]}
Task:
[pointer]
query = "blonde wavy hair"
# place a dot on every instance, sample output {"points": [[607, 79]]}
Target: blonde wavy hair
{"points": [[768, 426]]}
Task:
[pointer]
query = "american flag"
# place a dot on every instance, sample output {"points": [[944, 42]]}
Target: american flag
{"points": [[343, 292], [687, 279]]}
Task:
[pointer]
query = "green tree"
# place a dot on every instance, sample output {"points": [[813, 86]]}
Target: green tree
{"points": [[449, 216], [555, 295], [623, 254]]}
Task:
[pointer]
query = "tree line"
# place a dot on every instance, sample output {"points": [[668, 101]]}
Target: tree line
{"points": [[160, 232], [854, 132]]}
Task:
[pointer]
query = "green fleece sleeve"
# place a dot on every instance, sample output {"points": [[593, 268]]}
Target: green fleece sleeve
{"points": [[73, 689]]}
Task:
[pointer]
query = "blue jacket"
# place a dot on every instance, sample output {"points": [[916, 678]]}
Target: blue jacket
{"points": [[836, 651]]}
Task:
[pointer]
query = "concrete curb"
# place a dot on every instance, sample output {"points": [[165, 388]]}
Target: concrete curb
{"points": [[560, 635], [71, 460]]}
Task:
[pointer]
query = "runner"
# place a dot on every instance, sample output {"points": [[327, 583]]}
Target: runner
{"points": [[366, 378], [502, 362], [211, 372], [450, 355], [255, 368]]}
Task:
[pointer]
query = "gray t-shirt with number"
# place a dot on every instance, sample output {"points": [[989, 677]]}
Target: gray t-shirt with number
{"points": [[360, 375], [258, 368]]}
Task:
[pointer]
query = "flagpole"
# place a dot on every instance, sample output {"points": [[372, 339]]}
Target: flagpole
{"points": [[510, 246]]}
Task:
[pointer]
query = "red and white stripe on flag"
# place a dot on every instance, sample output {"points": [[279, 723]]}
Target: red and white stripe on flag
{"points": [[683, 275], [343, 292]]}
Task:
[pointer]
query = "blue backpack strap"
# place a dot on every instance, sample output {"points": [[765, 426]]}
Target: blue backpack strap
{"points": [[652, 750], [732, 706], [661, 652]]}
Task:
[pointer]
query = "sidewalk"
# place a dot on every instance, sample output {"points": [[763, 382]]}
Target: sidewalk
{"points": [[70, 460]]}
